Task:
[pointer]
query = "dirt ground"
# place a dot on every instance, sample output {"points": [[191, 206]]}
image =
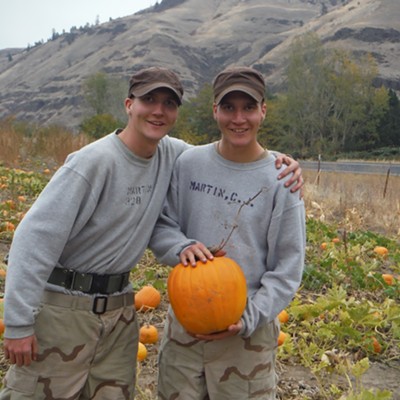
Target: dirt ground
{"points": [[296, 381]]}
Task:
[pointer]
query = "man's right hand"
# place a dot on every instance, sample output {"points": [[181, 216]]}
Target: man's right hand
{"points": [[195, 252], [199, 252], [21, 351]]}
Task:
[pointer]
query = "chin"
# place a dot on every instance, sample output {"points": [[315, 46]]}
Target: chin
{"points": [[156, 135]]}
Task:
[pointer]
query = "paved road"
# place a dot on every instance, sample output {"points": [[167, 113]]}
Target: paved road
{"points": [[355, 167]]}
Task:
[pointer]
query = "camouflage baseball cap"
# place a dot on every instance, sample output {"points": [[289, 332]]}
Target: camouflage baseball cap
{"points": [[242, 79], [148, 79]]}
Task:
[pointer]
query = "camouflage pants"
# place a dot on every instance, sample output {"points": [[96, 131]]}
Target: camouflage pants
{"points": [[81, 356], [235, 368]]}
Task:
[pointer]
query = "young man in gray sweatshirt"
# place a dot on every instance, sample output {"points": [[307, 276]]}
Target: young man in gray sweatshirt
{"points": [[228, 192], [71, 330]]}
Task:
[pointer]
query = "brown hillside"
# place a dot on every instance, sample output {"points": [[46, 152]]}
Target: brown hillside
{"points": [[196, 38]]}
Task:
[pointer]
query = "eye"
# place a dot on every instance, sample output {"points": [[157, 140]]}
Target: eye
{"points": [[251, 107], [147, 98], [226, 107], [171, 103]]}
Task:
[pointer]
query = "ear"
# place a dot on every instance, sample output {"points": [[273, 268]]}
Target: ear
{"points": [[128, 104], [263, 111], [215, 107]]}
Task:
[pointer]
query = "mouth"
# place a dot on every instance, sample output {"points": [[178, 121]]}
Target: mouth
{"points": [[156, 123], [239, 131]]}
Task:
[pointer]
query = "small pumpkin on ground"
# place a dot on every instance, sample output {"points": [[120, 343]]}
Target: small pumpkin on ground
{"points": [[376, 345], [148, 334], [388, 278], [148, 297], [142, 352], [381, 250], [281, 338], [283, 317]]}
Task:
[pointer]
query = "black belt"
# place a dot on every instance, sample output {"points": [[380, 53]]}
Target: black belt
{"points": [[97, 304], [88, 283]]}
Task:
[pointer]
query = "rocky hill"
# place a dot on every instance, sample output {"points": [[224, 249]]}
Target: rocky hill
{"points": [[196, 38]]}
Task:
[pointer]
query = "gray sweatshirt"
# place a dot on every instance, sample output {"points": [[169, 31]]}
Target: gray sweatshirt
{"points": [[209, 196], [95, 215]]}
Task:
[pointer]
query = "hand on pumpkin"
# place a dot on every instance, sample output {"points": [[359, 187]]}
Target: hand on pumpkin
{"points": [[293, 167], [21, 351], [198, 252], [232, 330]]}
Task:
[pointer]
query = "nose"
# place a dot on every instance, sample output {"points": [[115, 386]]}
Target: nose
{"points": [[158, 108], [238, 117]]}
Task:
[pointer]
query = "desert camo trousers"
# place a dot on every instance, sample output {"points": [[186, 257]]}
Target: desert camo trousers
{"points": [[235, 368], [81, 356]]}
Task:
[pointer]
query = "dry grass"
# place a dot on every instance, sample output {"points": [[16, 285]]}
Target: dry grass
{"points": [[55, 143], [48, 144], [354, 201], [10, 143]]}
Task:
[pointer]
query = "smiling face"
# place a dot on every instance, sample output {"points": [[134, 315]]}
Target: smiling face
{"points": [[239, 117], [153, 115]]}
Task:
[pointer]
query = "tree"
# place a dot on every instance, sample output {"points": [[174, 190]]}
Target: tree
{"points": [[308, 94], [95, 89], [54, 34], [196, 122], [105, 95], [357, 106], [99, 125], [389, 127], [184, 128], [330, 104], [274, 131]]}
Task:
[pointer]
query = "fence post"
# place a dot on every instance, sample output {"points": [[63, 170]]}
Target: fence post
{"points": [[319, 169], [386, 182]]}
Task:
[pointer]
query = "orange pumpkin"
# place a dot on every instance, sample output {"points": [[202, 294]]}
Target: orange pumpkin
{"points": [[281, 338], [381, 250], [146, 298], [209, 297], [148, 334], [142, 352], [376, 345], [283, 317], [388, 278]]}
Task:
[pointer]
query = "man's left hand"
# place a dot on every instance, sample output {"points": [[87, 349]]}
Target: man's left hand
{"points": [[293, 167], [232, 330]]}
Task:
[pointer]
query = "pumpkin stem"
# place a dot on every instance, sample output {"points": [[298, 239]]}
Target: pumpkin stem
{"points": [[216, 250]]}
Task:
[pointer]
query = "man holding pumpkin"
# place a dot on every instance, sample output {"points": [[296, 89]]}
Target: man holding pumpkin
{"points": [[71, 330], [226, 196]]}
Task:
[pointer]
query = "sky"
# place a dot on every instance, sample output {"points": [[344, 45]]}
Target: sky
{"points": [[24, 22]]}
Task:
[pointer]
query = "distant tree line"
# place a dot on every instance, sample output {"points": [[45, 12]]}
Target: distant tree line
{"points": [[330, 106], [69, 36]]}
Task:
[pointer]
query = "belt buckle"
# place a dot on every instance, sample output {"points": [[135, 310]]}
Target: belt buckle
{"points": [[100, 308]]}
